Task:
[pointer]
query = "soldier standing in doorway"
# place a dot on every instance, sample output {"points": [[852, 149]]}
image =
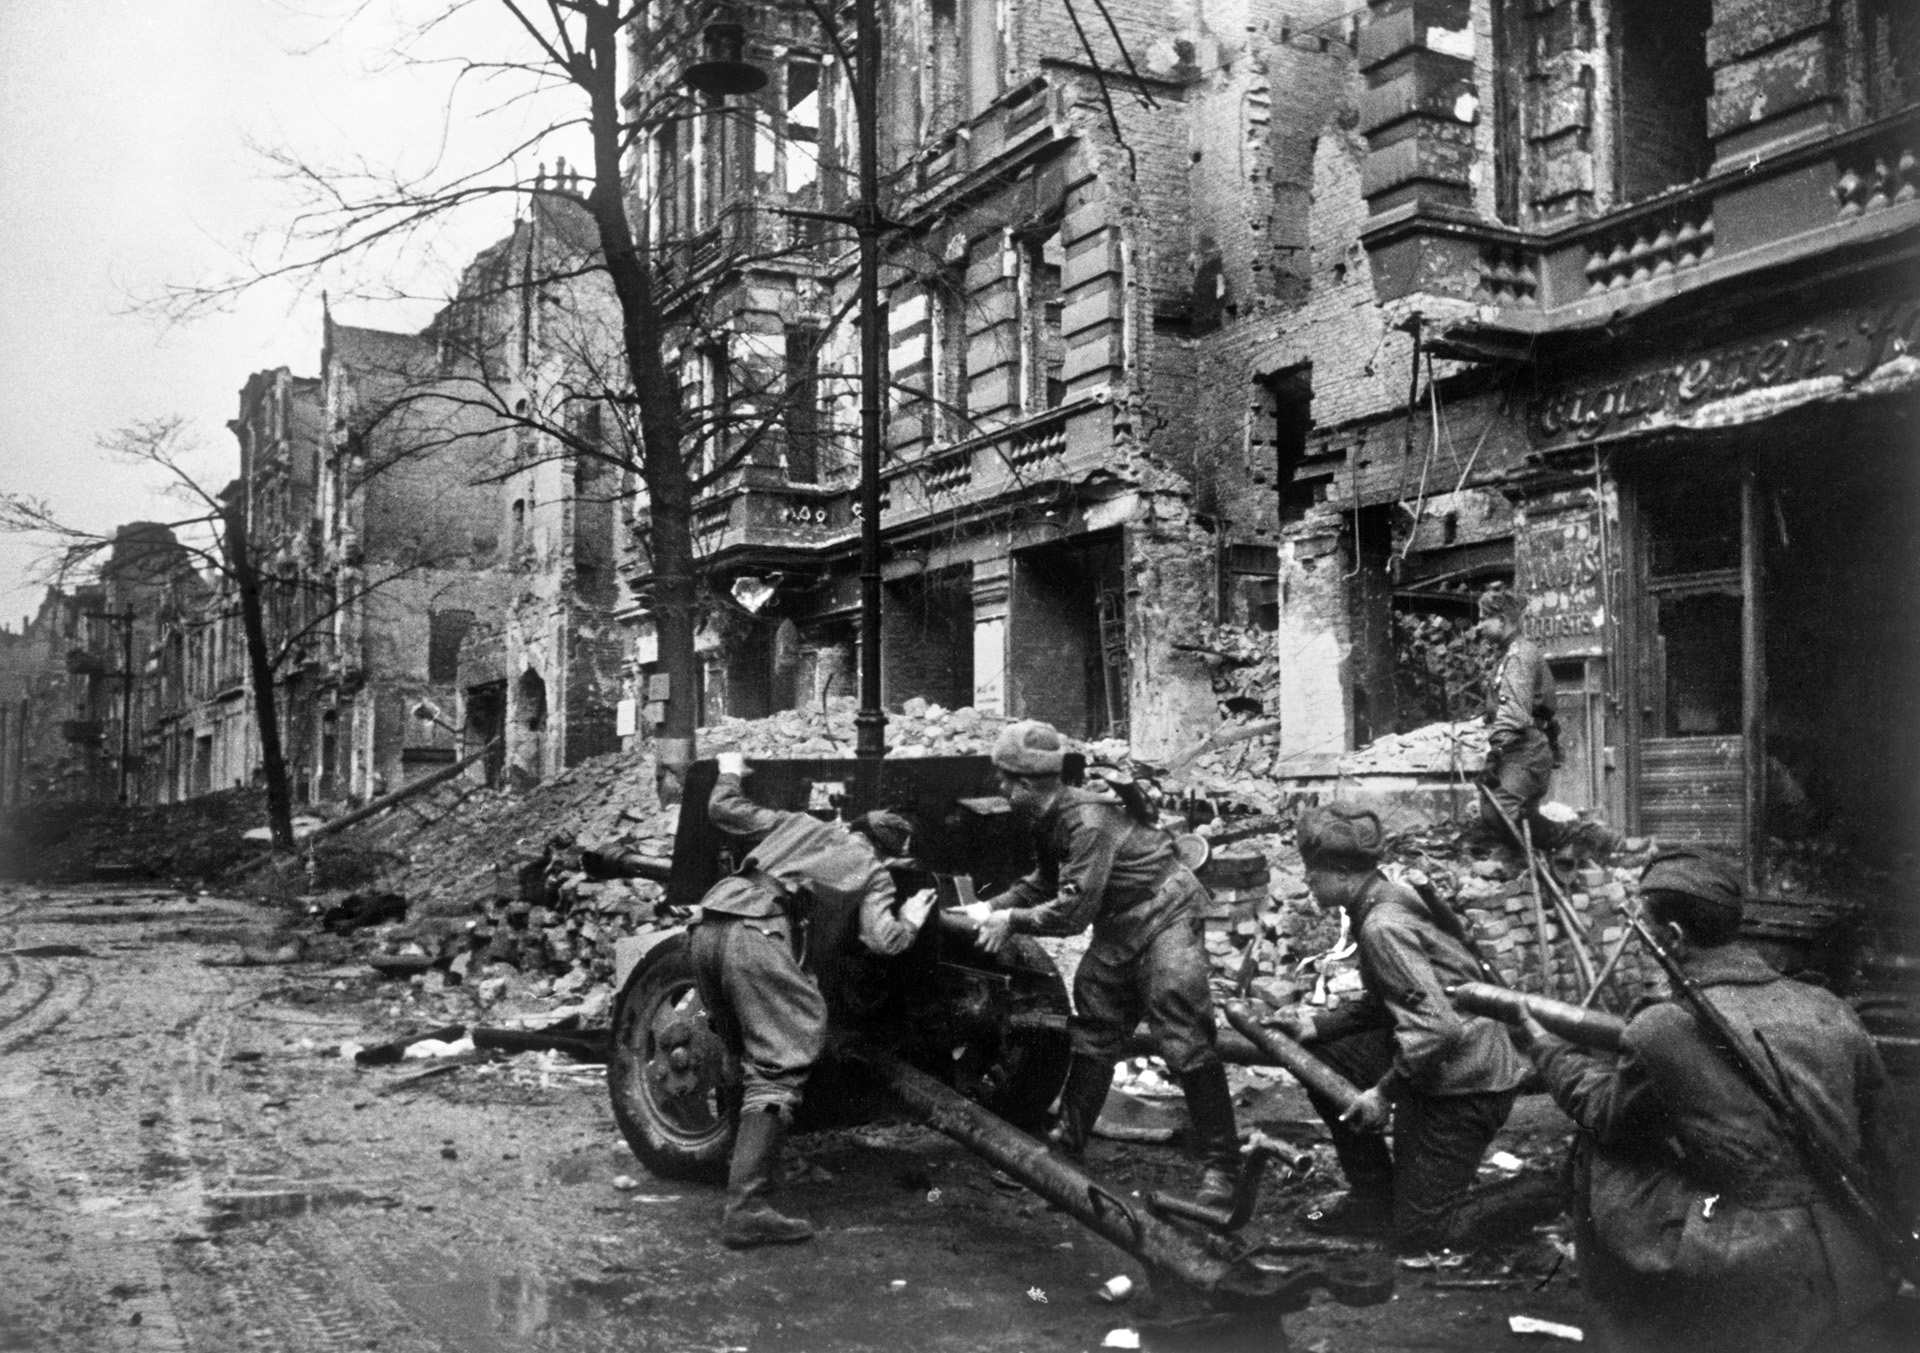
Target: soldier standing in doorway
{"points": [[1522, 751]]}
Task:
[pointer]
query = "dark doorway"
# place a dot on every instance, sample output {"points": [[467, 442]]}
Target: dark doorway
{"points": [[487, 727], [527, 754], [927, 639], [1067, 636]]}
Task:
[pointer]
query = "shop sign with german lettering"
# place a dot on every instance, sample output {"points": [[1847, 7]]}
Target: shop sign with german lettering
{"points": [[1840, 350]]}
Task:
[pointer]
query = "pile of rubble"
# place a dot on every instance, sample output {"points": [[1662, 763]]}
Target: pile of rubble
{"points": [[1270, 944], [918, 729], [64, 842], [1244, 665], [494, 883], [1436, 749]]}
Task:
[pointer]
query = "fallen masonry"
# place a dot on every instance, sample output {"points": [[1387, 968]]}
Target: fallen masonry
{"points": [[500, 907]]}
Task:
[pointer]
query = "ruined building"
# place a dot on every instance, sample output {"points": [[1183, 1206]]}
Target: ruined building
{"points": [[472, 545], [1060, 537], [43, 755], [1648, 269], [100, 705], [202, 730]]}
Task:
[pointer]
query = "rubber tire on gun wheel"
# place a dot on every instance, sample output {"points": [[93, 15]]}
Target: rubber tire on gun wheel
{"points": [[684, 1136]]}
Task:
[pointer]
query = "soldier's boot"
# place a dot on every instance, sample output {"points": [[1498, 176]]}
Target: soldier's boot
{"points": [[1088, 1080], [752, 1175], [1504, 1211], [1215, 1137]]}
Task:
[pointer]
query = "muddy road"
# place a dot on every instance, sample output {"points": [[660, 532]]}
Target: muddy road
{"points": [[187, 1163]]}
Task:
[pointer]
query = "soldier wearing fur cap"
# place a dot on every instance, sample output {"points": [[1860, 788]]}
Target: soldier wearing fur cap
{"points": [[1446, 1080], [746, 949], [1099, 867], [1700, 1226]]}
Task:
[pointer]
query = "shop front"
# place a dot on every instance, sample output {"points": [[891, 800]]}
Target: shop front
{"points": [[1723, 543]]}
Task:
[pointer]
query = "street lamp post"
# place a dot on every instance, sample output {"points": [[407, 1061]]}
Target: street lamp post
{"points": [[870, 724]]}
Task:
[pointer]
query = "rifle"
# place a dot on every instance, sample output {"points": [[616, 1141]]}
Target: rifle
{"points": [[1448, 922], [1841, 1179]]}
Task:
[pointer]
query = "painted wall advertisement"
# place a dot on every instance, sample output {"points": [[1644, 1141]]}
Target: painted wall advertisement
{"points": [[1557, 563]]}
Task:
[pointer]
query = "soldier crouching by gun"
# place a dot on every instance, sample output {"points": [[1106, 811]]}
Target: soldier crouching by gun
{"points": [[1719, 1171], [746, 950], [1445, 1083]]}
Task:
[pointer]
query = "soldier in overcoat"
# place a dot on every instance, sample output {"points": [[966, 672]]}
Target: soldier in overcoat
{"points": [[1699, 1225]]}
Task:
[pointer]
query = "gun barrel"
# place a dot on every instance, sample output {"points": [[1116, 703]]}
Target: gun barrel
{"points": [[1309, 1070], [1575, 1023], [626, 864], [1227, 1275]]}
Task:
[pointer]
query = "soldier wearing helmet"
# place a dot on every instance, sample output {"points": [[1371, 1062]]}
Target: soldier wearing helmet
{"points": [[1099, 867], [1447, 1081]]}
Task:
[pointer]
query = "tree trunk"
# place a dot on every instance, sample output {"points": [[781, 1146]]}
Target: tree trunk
{"points": [[273, 759], [663, 467]]}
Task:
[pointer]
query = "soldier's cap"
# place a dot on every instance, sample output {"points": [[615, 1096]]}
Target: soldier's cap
{"points": [[1502, 603], [890, 832], [1699, 874], [1029, 747], [1342, 831]]}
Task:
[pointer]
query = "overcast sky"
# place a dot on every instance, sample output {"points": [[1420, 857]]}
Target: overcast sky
{"points": [[125, 167]]}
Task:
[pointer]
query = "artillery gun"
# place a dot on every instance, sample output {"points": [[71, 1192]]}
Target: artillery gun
{"points": [[974, 1045]]}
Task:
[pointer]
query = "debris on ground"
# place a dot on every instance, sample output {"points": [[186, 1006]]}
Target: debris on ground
{"points": [[1527, 1325], [59, 842], [359, 910], [385, 1054], [482, 903]]}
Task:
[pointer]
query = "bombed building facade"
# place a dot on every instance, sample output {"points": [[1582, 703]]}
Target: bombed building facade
{"points": [[1072, 207], [1650, 273], [1250, 328]]}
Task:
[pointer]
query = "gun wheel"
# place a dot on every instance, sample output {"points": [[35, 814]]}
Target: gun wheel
{"points": [[675, 1085]]}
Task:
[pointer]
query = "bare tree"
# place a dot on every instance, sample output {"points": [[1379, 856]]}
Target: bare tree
{"points": [[216, 535], [626, 309], [570, 61]]}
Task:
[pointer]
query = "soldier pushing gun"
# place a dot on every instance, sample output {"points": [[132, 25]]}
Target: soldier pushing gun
{"points": [[747, 953], [1101, 867]]}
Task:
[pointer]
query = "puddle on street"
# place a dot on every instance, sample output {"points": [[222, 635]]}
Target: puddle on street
{"points": [[502, 1310], [227, 1210]]}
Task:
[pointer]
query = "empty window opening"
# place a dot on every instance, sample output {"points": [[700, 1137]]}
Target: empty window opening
{"points": [[802, 411], [1280, 420], [1250, 586], [1043, 343], [1661, 94], [948, 296], [803, 126], [715, 397], [446, 633], [927, 639]]}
